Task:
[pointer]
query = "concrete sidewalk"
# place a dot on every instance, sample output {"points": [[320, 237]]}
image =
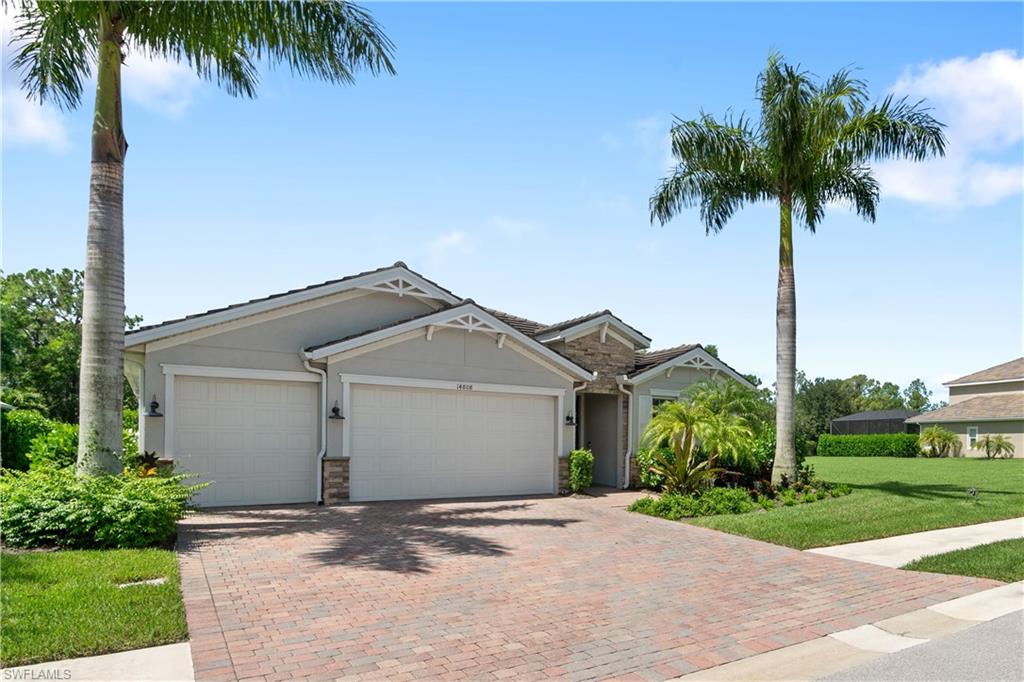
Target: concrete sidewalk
{"points": [[169, 663], [902, 549]]}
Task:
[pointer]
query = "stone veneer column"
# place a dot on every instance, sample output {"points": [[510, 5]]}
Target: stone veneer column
{"points": [[335, 483], [563, 474]]}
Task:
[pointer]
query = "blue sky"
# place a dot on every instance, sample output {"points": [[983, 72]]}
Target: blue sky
{"points": [[511, 160]]}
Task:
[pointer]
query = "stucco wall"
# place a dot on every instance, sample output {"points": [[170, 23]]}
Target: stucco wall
{"points": [[1013, 429], [273, 344], [959, 393], [451, 355]]}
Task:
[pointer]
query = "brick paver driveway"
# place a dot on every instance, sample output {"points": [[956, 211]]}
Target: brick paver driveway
{"points": [[520, 589]]}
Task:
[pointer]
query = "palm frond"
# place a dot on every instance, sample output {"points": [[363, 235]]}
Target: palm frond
{"points": [[896, 128]]}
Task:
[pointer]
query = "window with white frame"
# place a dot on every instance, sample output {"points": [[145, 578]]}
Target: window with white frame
{"points": [[972, 436]]}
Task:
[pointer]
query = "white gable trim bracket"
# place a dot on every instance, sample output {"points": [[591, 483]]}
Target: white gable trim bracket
{"points": [[698, 359], [467, 317], [401, 286]]}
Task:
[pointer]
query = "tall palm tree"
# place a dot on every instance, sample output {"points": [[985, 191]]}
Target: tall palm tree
{"points": [[811, 146], [61, 43]]}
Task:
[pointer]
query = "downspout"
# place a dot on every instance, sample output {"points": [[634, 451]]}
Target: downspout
{"points": [[629, 431], [323, 427]]}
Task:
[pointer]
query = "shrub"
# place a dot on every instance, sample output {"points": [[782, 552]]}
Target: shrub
{"points": [[724, 501], [995, 446], [50, 507], [936, 441], [871, 445], [671, 506], [55, 448], [645, 459], [581, 470], [17, 430]]}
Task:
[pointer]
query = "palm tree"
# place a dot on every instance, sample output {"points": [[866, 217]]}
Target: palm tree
{"points": [[60, 43], [995, 446], [812, 146]]}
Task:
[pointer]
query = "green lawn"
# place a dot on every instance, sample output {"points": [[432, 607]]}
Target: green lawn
{"points": [[997, 560], [891, 496], [66, 604]]}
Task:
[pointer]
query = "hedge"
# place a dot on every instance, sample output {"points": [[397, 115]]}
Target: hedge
{"points": [[873, 445]]}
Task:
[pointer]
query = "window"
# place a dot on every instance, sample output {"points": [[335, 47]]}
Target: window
{"points": [[655, 402], [972, 436]]}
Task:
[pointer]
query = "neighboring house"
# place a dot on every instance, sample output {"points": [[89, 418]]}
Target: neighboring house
{"points": [[873, 421], [385, 385], [988, 402]]}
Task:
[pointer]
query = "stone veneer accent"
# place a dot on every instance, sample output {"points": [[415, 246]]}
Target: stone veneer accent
{"points": [[563, 474], [335, 481], [609, 359]]}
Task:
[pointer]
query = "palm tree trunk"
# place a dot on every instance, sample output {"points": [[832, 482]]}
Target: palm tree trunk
{"points": [[785, 350], [101, 386]]}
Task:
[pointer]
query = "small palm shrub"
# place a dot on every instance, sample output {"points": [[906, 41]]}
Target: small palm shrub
{"points": [[936, 441], [995, 446], [51, 507], [581, 470]]}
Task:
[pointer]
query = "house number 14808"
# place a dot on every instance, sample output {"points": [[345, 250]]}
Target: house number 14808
{"points": [[464, 387]]}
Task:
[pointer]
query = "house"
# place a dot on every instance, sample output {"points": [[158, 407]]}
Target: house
{"points": [[386, 385], [989, 402], [873, 421]]}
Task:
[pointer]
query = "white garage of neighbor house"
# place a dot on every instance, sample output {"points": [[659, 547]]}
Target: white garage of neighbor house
{"points": [[386, 386]]}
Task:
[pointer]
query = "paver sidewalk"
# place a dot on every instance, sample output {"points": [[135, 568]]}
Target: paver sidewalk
{"points": [[902, 549], [535, 588]]}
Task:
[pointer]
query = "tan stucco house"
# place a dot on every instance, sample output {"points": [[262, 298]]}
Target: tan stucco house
{"points": [[386, 385], [989, 402]]}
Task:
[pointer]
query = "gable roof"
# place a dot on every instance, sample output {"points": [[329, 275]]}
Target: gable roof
{"points": [[180, 325], [528, 327], [993, 407], [467, 315], [564, 328], [646, 360], [1008, 371], [648, 365], [871, 415]]}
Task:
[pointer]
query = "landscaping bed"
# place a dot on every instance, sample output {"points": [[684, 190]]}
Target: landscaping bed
{"points": [[1002, 560], [67, 604], [891, 496]]}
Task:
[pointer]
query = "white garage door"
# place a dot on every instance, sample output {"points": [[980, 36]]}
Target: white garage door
{"points": [[409, 443], [256, 440]]}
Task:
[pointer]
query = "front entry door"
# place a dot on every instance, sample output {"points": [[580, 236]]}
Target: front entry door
{"points": [[600, 435]]}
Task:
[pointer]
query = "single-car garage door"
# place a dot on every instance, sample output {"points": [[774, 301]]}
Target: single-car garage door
{"points": [[256, 440], [409, 443]]}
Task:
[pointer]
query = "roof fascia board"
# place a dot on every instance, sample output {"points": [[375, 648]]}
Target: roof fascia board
{"points": [[249, 320], [681, 360], [584, 328], [957, 420], [247, 309], [449, 314], [953, 384]]}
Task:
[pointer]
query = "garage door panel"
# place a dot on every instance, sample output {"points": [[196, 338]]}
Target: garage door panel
{"points": [[257, 452], [420, 443]]}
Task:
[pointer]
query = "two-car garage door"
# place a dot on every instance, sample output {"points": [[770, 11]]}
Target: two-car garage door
{"points": [[416, 443], [257, 440]]}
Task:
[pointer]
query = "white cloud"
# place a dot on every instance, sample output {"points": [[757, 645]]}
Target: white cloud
{"points": [[26, 122], [160, 85], [982, 102], [515, 227], [450, 243]]}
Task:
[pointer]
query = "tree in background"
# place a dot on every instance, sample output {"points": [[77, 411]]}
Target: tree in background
{"points": [[811, 147], [819, 401], [60, 44], [711, 348], [40, 324], [917, 397]]}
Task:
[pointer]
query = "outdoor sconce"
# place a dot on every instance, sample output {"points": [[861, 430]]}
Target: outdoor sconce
{"points": [[336, 412], [570, 419], [154, 409]]}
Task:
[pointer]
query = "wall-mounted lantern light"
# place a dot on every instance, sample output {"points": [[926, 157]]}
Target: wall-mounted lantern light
{"points": [[336, 412], [154, 409], [570, 419]]}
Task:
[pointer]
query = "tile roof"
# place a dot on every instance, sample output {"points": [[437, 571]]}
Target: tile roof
{"points": [[520, 324], [566, 324], [398, 264], [985, 407], [653, 358], [1008, 371]]}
